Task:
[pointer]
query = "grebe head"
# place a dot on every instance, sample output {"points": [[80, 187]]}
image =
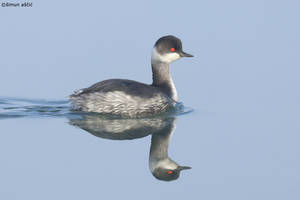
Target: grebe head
{"points": [[167, 49]]}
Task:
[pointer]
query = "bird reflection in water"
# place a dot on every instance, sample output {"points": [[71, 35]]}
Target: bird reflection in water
{"points": [[161, 128]]}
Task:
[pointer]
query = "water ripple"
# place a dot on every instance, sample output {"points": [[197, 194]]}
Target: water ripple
{"points": [[22, 107]]}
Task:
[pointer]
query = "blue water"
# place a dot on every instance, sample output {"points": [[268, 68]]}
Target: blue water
{"points": [[79, 155], [22, 107]]}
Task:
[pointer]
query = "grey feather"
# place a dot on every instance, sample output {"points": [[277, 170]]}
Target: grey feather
{"points": [[122, 97]]}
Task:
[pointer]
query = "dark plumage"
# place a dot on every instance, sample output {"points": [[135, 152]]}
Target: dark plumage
{"points": [[129, 87]]}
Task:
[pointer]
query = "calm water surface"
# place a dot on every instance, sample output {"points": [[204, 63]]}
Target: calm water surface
{"points": [[88, 156]]}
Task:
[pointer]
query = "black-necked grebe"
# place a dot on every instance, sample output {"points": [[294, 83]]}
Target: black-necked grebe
{"points": [[133, 99]]}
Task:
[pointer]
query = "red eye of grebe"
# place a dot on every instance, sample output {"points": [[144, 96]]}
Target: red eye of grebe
{"points": [[172, 49], [170, 172]]}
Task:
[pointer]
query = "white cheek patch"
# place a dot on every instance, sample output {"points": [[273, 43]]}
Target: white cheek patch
{"points": [[167, 58]]}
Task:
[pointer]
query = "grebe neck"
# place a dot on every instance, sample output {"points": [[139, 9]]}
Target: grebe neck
{"points": [[162, 78]]}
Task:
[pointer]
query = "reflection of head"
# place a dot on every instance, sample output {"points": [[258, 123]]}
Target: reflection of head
{"points": [[161, 166], [166, 174]]}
